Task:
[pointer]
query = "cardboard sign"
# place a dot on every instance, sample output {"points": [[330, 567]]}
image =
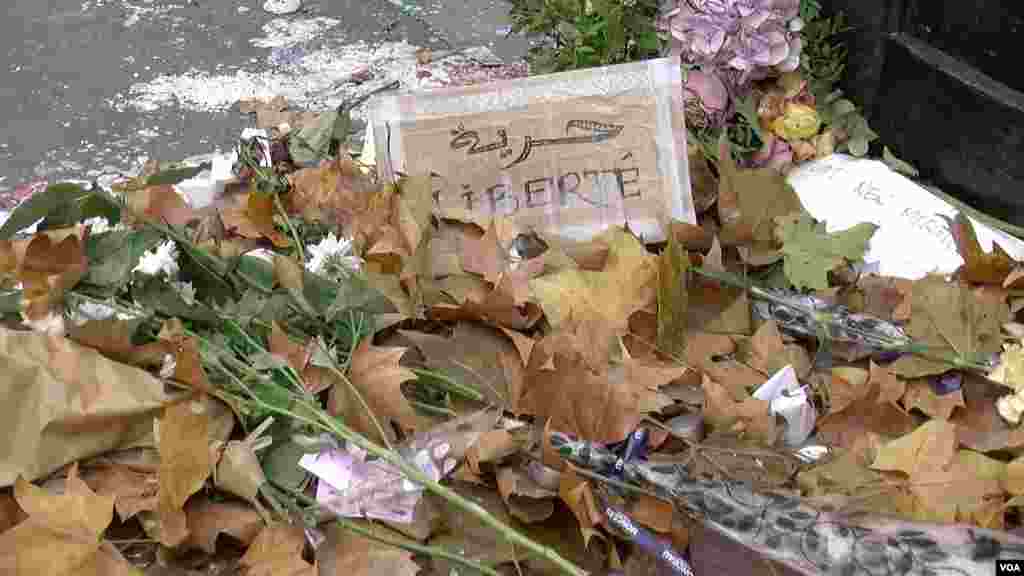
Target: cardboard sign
{"points": [[570, 153]]}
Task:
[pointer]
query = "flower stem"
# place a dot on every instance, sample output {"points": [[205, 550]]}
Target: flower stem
{"points": [[354, 527]]}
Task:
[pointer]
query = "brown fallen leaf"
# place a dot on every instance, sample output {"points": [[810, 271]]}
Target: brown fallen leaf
{"points": [[498, 307], [277, 551], [922, 396], [692, 237], [161, 203], [275, 111], [352, 555], [979, 267], [865, 416], [10, 513], [478, 356], [884, 297], [113, 338], [652, 512], [967, 490], [577, 495], [485, 256], [750, 200], [62, 534], [336, 190], [526, 500], [48, 270], [929, 448], [951, 318], [415, 204], [208, 519], [979, 425], [133, 490], [847, 384], [766, 351], [578, 400], [252, 216], [375, 372], [715, 307], [702, 181], [492, 446], [748, 417], [890, 388], [709, 353], [474, 539], [185, 463], [188, 366]]}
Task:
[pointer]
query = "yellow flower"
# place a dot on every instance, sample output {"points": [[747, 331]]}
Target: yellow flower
{"points": [[798, 121]]}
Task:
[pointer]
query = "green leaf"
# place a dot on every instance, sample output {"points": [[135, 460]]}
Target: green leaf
{"points": [[311, 143], [156, 294], [747, 108], [113, 255], [896, 164], [281, 460], [10, 302], [648, 41], [843, 107], [176, 175], [809, 252], [41, 205], [857, 146]]}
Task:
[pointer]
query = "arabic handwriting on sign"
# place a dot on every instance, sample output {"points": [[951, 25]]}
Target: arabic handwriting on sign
{"points": [[471, 138], [597, 132]]}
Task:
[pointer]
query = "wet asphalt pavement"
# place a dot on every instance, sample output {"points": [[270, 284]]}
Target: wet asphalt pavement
{"points": [[70, 63]]}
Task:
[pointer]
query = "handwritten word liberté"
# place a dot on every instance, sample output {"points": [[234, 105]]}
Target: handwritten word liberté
{"points": [[538, 192]]}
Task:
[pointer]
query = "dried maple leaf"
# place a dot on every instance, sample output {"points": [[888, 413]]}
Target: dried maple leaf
{"points": [[884, 297], [967, 489], [62, 534], [748, 200], [295, 355], [627, 284], [979, 425], [133, 490], [954, 319], [920, 395], [929, 448], [188, 366], [208, 519], [415, 205], [747, 416], [277, 551], [864, 416], [185, 463], [354, 555], [890, 388], [113, 338], [485, 256], [478, 356], [577, 400], [847, 384], [979, 267], [526, 500], [375, 372], [47, 270], [577, 495], [498, 307], [161, 203]]}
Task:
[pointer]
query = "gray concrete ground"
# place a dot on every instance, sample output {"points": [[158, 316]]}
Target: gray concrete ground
{"points": [[67, 104]]}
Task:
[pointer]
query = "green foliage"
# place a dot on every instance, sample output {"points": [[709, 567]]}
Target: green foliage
{"points": [[809, 252], [823, 58], [587, 33], [843, 114]]}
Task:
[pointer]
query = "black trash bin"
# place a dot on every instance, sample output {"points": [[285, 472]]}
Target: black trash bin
{"points": [[941, 83]]}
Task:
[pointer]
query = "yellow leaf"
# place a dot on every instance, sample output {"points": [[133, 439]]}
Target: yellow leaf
{"points": [[185, 464], [930, 447], [628, 283]]}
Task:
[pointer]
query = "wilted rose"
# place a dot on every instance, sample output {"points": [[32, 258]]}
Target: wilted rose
{"points": [[708, 88]]}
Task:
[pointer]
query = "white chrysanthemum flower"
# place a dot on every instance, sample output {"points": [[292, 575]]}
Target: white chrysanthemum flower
{"points": [[99, 225], [163, 258], [332, 257]]}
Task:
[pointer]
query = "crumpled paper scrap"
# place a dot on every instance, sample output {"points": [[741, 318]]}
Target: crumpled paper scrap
{"points": [[787, 398], [352, 487]]}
